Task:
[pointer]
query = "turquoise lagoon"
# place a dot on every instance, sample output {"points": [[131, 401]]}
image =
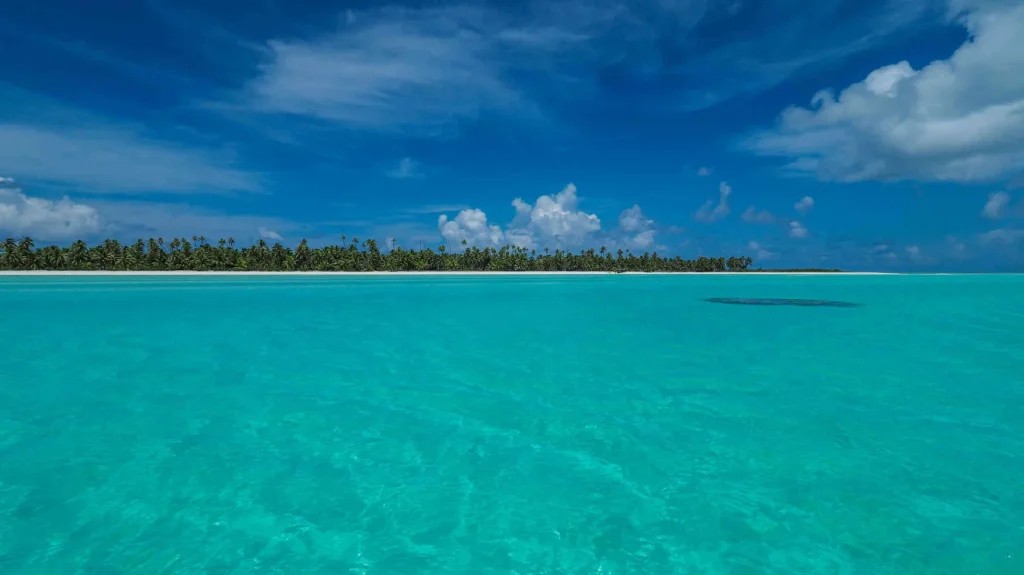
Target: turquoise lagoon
{"points": [[511, 425]]}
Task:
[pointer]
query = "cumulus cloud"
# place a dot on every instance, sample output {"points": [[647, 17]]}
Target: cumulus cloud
{"points": [[760, 252], [268, 234], [914, 252], [470, 225], [712, 212], [804, 205], [555, 218], [66, 219], [959, 119], [634, 220], [551, 221], [638, 228], [43, 219], [797, 230], [755, 216], [996, 205]]}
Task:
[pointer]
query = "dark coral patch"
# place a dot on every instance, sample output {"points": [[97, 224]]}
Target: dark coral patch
{"points": [[781, 301]]}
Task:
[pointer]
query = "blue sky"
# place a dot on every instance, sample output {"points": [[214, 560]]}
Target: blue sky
{"points": [[859, 134]]}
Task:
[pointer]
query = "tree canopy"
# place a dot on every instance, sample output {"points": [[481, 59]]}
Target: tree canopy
{"points": [[183, 254]]}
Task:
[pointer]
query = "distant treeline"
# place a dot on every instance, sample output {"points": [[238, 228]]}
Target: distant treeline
{"points": [[181, 254]]}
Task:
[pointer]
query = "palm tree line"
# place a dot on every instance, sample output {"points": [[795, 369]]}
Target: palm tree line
{"points": [[182, 254]]}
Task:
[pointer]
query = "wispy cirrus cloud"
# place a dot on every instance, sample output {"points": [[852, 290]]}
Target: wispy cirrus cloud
{"points": [[395, 70], [996, 205], [42, 141], [110, 159], [421, 70], [424, 69], [406, 168], [802, 36], [437, 208], [1002, 205], [1003, 236]]}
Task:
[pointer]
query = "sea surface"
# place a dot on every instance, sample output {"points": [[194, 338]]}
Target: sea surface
{"points": [[511, 425]]}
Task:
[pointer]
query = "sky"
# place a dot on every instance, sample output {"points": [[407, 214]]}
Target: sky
{"points": [[860, 134]]}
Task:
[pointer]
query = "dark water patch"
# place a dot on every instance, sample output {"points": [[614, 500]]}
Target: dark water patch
{"points": [[781, 301]]}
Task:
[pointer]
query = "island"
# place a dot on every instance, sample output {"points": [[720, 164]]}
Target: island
{"points": [[197, 255]]}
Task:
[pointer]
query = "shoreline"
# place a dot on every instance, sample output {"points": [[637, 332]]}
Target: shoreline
{"points": [[13, 273]]}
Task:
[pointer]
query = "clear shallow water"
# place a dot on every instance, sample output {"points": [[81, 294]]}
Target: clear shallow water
{"points": [[611, 424]]}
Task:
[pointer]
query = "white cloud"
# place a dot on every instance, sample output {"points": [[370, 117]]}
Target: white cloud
{"points": [[712, 212], [555, 218], [110, 159], [704, 172], [1002, 236], [634, 220], [392, 69], [996, 205], [960, 119], [760, 252], [754, 216], [407, 168], [804, 204], [957, 248], [470, 225], [437, 208], [43, 219], [641, 240], [801, 37], [914, 252], [422, 69], [797, 230], [553, 221], [638, 228], [268, 234], [67, 219]]}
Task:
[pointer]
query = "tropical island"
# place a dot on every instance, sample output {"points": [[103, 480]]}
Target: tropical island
{"points": [[182, 254]]}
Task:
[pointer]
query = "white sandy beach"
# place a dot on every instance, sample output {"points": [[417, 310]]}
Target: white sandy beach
{"points": [[430, 273]]}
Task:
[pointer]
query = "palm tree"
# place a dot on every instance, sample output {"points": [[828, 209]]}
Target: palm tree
{"points": [[11, 255], [111, 255]]}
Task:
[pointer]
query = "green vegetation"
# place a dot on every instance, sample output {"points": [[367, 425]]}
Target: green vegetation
{"points": [[198, 255], [797, 270]]}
